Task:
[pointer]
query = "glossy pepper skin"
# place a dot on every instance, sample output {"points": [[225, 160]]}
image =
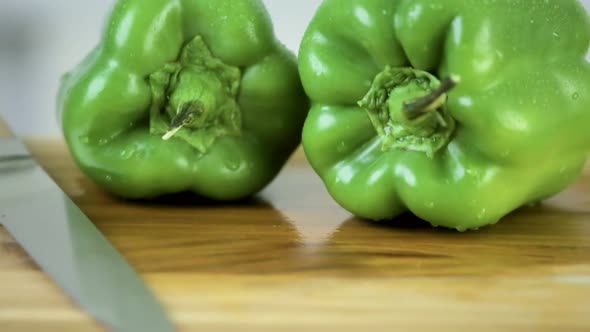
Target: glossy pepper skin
{"points": [[514, 130], [211, 74]]}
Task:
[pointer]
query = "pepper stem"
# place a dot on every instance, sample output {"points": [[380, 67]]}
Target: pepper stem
{"points": [[171, 133], [431, 102], [185, 117]]}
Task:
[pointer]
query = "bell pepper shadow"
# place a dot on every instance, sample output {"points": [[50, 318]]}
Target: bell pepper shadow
{"points": [[184, 232], [532, 238]]}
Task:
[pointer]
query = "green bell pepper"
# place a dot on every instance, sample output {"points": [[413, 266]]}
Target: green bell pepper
{"points": [[459, 111], [184, 95]]}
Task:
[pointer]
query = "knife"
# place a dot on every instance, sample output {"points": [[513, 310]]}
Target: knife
{"points": [[70, 249]]}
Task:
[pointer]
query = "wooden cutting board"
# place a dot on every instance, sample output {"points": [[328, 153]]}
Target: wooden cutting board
{"points": [[292, 260]]}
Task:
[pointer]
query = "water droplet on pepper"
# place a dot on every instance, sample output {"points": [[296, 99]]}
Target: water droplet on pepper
{"points": [[127, 154], [232, 164]]}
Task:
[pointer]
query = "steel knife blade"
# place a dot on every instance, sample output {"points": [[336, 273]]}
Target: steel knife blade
{"points": [[65, 244]]}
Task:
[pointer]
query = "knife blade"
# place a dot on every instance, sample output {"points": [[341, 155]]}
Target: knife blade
{"points": [[65, 244]]}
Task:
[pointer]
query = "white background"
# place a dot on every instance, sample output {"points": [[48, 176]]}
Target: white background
{"points": [[41, 39]]}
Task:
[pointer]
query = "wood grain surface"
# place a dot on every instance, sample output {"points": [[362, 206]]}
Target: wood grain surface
{"points": [[292, 260]]}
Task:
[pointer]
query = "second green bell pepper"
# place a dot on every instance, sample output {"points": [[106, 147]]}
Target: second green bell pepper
{"points": [[459, 111], [184, 95]]}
